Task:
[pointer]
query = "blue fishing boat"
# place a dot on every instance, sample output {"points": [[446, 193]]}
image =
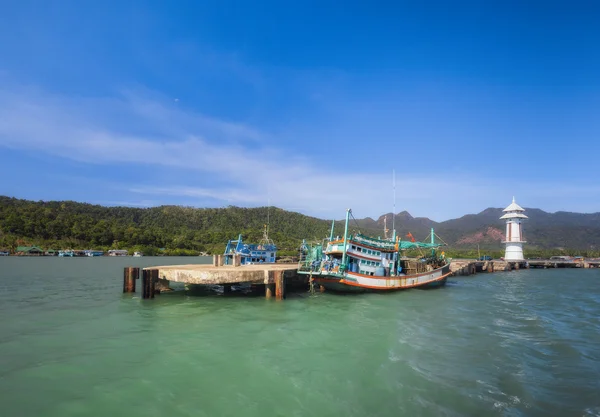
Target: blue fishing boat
{"points": [[263, 252]]}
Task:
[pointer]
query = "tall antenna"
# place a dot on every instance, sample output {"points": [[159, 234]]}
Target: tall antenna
{"points": [[394, 211]]}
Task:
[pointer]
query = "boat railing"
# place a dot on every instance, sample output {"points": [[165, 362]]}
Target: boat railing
{"points": [[373, 242]]}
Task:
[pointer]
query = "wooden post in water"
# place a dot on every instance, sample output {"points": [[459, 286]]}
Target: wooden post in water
{"points": [[149, 278], [130, 274], [237, 260], [216, 260], [279, 285]]}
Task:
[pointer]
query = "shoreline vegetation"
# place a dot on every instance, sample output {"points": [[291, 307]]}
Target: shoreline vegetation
{"points": [[186, 231]]}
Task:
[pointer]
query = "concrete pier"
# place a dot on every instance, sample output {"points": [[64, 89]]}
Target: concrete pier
{"points": [[273, 276], [471, 266]]}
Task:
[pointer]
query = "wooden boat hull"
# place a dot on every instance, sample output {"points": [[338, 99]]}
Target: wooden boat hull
{"points": [[354, 282]]}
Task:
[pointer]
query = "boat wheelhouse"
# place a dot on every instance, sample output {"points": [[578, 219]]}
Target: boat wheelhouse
{"points": [[363, 263], [263, 252]]}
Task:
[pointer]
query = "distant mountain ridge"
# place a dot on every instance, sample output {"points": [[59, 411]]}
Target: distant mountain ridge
{"points": [[72, 224], [542, 229]]}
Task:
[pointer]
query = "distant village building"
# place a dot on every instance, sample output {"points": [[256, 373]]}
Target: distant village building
{"points": [[29, 251], [514, 232], [118, 252]]}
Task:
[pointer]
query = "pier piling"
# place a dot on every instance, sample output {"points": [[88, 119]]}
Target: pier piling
{"points": [[130, 274], [218, 260], [149, 278], [269, 290], [279, 285]]}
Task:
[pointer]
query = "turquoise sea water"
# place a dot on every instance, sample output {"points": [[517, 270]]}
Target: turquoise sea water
{"points": [[524, 343]]}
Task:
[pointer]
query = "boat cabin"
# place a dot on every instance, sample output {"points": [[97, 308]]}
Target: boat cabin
{"points": [[263, 252]]}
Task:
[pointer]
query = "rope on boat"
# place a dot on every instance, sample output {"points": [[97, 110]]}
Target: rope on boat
{"points": [[355, 221]]}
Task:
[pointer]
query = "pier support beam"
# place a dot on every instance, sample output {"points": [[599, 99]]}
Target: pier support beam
{"points": [[162, 285], [226, 289], [130, 274], [279, 285], [149, 278], [269, 290], [237, 260]]}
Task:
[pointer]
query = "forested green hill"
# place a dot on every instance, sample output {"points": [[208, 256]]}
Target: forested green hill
{"points": [[185, 230], [68, 224]]}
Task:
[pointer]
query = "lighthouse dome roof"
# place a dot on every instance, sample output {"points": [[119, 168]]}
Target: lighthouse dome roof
{"points": [[514, 207]]}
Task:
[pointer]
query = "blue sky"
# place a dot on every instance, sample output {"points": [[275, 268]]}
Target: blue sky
{"points": [[308, 106]]}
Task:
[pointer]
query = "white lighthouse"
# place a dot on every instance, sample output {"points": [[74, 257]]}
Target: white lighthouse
{"points": [[514, 216]]}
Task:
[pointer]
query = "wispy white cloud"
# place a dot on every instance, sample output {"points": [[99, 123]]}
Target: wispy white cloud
{"points": [[232, 163]]}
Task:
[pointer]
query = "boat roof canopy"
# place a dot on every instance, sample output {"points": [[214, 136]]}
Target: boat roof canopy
{"points": [[387, 244]]}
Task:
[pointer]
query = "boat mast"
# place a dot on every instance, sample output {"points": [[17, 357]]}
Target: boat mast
{"points": [[268, 219], [385, 230], [432, 242], [346, 237], [394, 210], [331, 234]]}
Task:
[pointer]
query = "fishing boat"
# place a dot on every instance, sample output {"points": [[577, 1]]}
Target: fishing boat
{"points": [[94, 253], [362, 263], [69, 253], [265, 252], [137, 254]]}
